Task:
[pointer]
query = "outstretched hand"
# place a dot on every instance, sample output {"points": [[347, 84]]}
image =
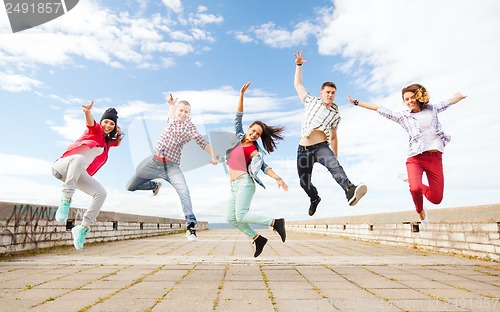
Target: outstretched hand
{"points": [[350, 99], [459, 96], [88, 107], [298, 58], [171, 100], [282, 185], [245, 87], [215, 160]]}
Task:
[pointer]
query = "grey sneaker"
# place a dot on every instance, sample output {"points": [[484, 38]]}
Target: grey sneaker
{"points": [[157, 188], [355, 192]]}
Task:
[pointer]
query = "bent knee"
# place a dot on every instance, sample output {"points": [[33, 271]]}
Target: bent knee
{"points": [[231, 220], [101, 194], [435, 200], [415, 189]]}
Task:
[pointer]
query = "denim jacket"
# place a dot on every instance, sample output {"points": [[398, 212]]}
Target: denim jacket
{"points": [[257, 163]]}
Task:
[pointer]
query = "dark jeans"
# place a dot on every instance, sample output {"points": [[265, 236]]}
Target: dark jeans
{"points": [[320, 153]]}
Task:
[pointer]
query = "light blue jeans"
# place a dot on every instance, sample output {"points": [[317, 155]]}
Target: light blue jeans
{"points": [[238, 215], [71, 171], [150, 169]]}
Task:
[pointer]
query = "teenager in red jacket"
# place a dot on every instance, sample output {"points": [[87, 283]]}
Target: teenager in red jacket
{"points": [[80, 162]]}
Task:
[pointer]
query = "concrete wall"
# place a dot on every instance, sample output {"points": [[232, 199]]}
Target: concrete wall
{"points": [[26, 227], [468, 231]]}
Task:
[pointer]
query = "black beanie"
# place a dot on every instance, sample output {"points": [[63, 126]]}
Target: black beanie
{"points": [[110, 114]]}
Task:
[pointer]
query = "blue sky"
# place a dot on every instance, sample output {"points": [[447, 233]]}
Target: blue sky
{"points": [[131, 54]]}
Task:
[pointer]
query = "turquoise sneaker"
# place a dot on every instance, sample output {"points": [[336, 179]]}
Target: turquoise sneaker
{"points": [[63, 210], [79, 236]]}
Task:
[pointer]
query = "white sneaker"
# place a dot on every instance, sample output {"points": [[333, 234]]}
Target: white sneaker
{"points": [[403, 177], [425, 222], [191, 235]]}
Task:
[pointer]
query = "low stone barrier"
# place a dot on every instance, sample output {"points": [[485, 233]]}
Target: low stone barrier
{"points": [[26, 227], [468, 231]]}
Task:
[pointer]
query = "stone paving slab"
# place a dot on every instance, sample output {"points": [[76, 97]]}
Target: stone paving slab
{"points": [[219, 273]]}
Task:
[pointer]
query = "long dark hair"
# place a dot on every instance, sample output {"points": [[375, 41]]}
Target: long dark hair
{"points": [[270, 134], [111, 136]]}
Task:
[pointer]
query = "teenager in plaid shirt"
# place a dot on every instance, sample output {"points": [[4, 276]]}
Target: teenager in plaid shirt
{"points": [[318, 140], [426, 139], [164, 164]]}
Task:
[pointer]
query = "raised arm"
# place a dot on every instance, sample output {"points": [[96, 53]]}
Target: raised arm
{"points": [[457, 97], [171, 104], [89, 119], [242, 94], [297, 81], [363, 104]]}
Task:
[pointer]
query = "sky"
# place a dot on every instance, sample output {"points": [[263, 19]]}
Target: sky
{"points": [[131, 54]]}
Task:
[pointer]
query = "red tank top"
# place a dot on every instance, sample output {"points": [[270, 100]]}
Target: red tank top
{"points": [[239, 157]]}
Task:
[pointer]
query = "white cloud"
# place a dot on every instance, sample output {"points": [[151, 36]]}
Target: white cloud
{"points": [[242, 37], [201, 18], [97, 33], [174, 5], [18, 83], [22, 166], [276, 37], [432, 41]]}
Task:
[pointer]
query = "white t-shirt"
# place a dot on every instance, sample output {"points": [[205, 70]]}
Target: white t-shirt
{"points": [[431, 140]]}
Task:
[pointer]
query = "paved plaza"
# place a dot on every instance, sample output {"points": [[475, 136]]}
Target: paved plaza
{"points": [[219, 273]]}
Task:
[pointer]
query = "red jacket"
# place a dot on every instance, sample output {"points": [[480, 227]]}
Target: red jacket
{"points": [[93, 137]]}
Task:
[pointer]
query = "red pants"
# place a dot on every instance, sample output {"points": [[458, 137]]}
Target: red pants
{"points": [[432, 164]]}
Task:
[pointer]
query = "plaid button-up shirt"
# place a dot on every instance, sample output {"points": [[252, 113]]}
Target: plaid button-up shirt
{"points": [[412, 126], [175, 135], [318, 117]]}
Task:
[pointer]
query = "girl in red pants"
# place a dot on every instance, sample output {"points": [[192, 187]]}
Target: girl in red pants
{"points": [[427, 142]]}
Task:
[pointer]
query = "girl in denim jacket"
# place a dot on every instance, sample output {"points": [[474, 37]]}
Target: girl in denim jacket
{"points": [[245, 160]]}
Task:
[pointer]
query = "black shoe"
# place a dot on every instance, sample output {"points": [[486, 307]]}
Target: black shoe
{"points": [[314, 204], [279, 226], [355, 192], [259, 242]]}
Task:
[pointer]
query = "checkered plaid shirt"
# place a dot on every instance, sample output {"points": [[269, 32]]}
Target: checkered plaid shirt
{"points": [[175, 135], [318, 117], [412, 126]]}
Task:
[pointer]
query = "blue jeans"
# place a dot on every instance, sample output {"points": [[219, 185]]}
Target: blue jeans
{"points": [[320, 153], [238, 214], [151, 168]]}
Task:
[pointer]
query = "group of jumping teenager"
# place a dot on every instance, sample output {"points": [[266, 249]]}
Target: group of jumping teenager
{"points": [[245, 157]]}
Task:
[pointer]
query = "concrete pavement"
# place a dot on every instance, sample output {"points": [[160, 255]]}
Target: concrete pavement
{"points": [[219, 273]]}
